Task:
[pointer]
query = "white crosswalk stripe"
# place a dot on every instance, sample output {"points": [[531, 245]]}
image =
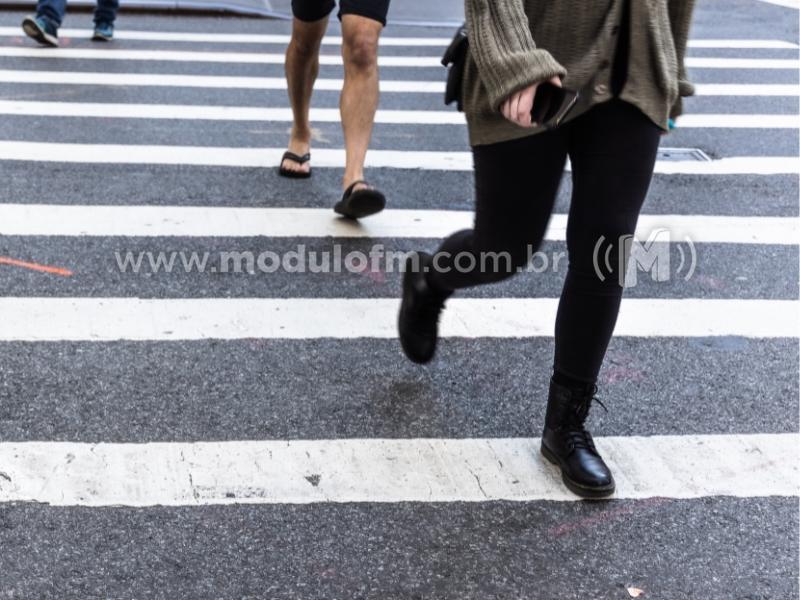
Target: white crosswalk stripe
{"points": [[328, 59], [185, 56], [744, 89], [381, 470], [171, 221], [786, 3], [335, 158], [203, 81], [112, 319], [331, 40], [322, 84], [326, 115], [355, 470], [696, 62]]}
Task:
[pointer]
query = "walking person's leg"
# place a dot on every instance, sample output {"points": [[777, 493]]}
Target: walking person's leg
{"points": [[362, 22], [302, 66], [43, 27], [105, 14], [613, 151], [516, 184]]}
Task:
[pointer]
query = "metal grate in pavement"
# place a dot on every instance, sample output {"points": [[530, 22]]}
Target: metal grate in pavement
{"points": [[676, 154]]}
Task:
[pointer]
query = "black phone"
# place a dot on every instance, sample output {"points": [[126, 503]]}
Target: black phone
{"points": [[551, 104]]}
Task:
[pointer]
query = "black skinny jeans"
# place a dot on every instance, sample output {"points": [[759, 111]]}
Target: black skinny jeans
{"points": [[612, 149]]}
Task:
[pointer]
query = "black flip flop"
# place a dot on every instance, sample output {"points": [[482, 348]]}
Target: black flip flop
{"points": [[357, 204], [296, 158]]}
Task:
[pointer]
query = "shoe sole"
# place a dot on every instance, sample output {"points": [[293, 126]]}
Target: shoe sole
{"points": [[575, 487], [363, 203], [32, 30], [289, 174], [101, 38]]}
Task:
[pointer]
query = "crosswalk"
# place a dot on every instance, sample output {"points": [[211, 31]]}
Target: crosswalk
{"points": [[111, 319], [464, 470], [172, 221], [72, 78], [327, 115], [326, 158], [209, 37], [277, 58], [83, 113]]}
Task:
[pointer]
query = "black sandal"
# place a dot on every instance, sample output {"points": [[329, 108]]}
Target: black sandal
{"points": [[295, 158], [357, 204]]}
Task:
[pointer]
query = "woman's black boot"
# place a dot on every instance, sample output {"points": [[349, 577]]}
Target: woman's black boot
{"points": [[566, 443], [421, 305]]}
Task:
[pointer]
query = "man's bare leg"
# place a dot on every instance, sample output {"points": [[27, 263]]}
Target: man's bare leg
{"points": [[359, 99], [302, 67]]}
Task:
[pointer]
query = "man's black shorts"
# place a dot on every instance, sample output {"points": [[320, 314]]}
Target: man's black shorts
{"points": [[314, 10]]}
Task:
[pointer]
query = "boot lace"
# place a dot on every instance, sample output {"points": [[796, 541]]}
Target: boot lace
{"points": [[578, 438]]}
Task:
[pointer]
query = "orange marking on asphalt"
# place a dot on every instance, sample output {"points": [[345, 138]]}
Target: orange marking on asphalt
{"points": [[5, 260]]}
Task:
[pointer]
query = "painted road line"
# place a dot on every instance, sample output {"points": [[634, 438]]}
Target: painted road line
{"points": [[696, 62], [239, 38], [439, 42], [200, 56], [328, 59], [739, 89], [739, 121], [385, 470], [279, 83], [217, 113], [742, 44], [335, 158], [328, 115], [786, 3], [198, 81], [177, 221], [113, 319]]}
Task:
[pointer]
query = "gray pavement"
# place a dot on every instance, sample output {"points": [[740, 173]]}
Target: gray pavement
{"points": [[261, 389], [723, 270], [726, 548], [717, 547]]}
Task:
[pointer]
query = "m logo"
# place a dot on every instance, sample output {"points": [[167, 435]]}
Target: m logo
{"points": [[653, 256]]}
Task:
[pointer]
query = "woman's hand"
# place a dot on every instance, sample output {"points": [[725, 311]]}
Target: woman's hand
{"points": [[517, 108]]}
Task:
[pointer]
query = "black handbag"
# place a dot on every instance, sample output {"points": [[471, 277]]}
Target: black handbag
{"points": [[455, 58]]}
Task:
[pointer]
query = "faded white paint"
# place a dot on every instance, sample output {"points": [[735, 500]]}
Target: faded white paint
{"points": [[747, 89], [256, 38], [265, 58], [322, 84], [382, 470], [111, 319], [329, 59], [202, 81], [329, 115], [708, 62], [221, 221], [335, 158]]}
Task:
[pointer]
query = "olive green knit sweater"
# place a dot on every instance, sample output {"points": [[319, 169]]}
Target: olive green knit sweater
{"points": [[515, 43]]}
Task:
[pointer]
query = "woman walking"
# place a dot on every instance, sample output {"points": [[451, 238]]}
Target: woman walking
{"points": [[625, 58]]}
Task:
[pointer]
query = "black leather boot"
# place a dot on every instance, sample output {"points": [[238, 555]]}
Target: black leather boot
{"points": [[418, 322], [566, 443]]}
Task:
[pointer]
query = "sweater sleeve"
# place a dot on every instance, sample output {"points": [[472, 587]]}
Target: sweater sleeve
{"points": [[680, 16], [502, 45]]}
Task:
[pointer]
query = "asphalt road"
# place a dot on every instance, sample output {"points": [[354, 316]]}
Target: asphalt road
{"points": [[140, 391]]}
